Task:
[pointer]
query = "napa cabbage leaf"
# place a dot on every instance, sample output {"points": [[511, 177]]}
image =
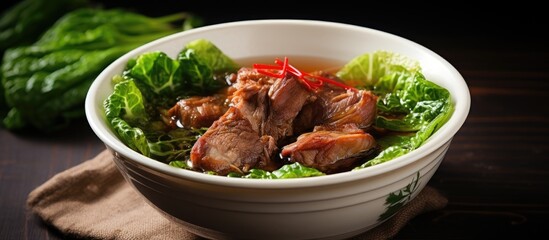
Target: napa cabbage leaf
{"points": [[152, 82], [408, 103]]}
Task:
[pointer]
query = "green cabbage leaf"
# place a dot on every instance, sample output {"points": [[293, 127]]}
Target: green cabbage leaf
{"points": [[408, 103], [151, 83]]}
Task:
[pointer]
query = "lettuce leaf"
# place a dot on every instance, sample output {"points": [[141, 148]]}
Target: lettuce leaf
{"points": [[408, 103], [365, 70], [209, 54], [123, 108], [151, 83], [202, 61], [294, 170], [159, 74]]}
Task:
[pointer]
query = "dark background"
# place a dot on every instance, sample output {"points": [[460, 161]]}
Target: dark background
{"points": [[496, 27], [496, 172]]}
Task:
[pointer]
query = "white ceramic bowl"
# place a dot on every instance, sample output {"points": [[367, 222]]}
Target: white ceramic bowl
{"points": [[333, 206]]}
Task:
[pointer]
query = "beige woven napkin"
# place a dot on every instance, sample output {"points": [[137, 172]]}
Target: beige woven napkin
{"points": [[92, 200]]}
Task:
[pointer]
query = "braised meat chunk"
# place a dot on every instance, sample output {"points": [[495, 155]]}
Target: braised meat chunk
{"points": [[198, 111], [337, 107], [286, 99], [357, 107], [232, 145], [330, 151]]}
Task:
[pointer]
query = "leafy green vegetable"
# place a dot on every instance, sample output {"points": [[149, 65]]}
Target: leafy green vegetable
{"points": [[152, 82], [294, 170], [158, 76], [125, 107], [127, 103], [176, 144], [162, 78], [46, 83], [202, 61], [25, 21], [179, 164], [365, 70], [134, 137], [407, 103], [211, 55], [125, 110], [21, 25]]}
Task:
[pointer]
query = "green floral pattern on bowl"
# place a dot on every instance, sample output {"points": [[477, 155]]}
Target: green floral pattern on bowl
{"points": [[396, 200]]}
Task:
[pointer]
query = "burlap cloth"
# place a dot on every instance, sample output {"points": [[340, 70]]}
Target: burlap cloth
{"points": [[92, 200]]}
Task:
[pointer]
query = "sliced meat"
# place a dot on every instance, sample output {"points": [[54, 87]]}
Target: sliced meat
{"points": [[336, 106], [287, 97], [357, 107], [330, 151], [232, 145], [248, 76], [251, 99], [197, 112]]}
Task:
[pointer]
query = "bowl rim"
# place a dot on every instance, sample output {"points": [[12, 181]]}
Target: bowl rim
{"points": [[443, 135]]}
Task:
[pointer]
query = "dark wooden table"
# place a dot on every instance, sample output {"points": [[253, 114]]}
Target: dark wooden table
{"points": [[495, 174]]}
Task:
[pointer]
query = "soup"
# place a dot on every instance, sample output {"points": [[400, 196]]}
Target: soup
{"points": [[261, 118]]}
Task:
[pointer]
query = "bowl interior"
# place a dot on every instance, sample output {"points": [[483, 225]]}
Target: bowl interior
{"points": [[249, 39]]}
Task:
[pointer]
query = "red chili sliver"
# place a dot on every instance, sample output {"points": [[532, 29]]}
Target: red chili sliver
{"points": [[310, 81]]}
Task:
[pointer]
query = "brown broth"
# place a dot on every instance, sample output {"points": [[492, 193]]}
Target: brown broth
{"points": [[303, 63]]}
